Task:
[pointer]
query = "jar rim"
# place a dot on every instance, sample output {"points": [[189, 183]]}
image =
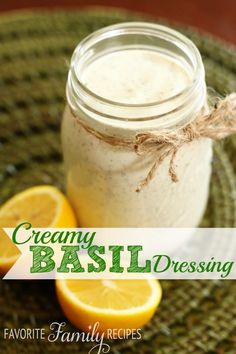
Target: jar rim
{"points": [[76, 87]]}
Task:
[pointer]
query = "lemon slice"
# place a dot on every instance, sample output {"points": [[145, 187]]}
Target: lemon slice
{"points": [[42, 206], [114, 304]]}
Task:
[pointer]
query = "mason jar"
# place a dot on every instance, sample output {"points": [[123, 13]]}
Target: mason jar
{"points": [[124, 80]]}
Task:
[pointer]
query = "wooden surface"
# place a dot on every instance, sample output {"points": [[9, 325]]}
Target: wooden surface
{"points": [[215, 16]]}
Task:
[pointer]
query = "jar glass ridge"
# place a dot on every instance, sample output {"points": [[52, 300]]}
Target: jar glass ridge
{"points": [[119, 37]]}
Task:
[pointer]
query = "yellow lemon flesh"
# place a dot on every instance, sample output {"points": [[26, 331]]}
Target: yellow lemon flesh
{"points": [[114, 304], [42, 206]]}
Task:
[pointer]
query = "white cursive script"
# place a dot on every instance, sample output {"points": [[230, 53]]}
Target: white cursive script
{"points": [[92, 336]]}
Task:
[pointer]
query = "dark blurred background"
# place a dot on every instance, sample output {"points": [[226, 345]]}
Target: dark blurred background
{"points": [[217, 17]]}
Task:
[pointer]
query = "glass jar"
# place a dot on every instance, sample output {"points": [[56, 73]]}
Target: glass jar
{"points": [[101, 179]]}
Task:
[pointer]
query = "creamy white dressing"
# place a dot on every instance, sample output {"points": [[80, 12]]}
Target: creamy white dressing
{"points": [[101, 179], [137, 76]]}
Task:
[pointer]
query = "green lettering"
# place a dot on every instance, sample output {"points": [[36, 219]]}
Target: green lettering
{"points": [[92, 252], [42, 254], [159, 258], [14, 238], [70, 258], [116, 267], [134, 266]]}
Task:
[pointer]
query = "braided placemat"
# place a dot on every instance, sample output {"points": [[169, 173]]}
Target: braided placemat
{"points": [[35, 48]]}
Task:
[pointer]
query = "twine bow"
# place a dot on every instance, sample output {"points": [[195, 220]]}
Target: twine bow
{"points": [[216, 125]]}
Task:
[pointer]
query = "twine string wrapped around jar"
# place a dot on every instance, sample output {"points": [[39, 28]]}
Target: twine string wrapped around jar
{"points": [[219, 123]]}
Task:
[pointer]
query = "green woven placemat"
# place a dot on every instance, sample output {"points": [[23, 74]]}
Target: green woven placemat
{"points": [[35, 48]]}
